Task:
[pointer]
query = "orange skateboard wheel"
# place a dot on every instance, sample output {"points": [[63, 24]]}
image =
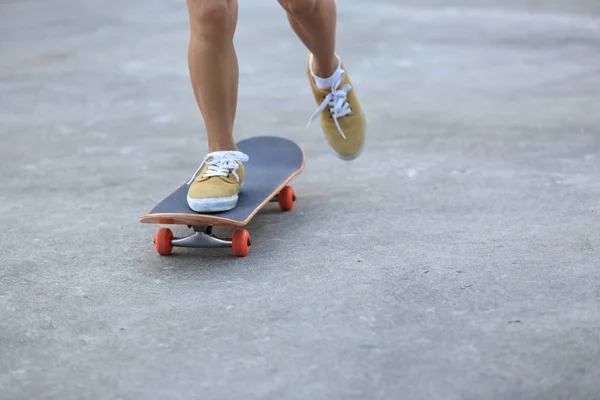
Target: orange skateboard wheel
{"points": [[286, 198], [162, 241], [240, 243]]}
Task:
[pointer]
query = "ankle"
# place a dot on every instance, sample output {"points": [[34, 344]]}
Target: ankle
{"points": [[212, 147], [325, 69]]}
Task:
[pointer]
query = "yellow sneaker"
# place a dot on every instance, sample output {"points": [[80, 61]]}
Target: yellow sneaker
{"points": [[217, 182], [342, 117]]}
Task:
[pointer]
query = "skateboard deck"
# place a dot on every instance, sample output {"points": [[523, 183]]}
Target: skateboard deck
{"points": [[273, 163]]}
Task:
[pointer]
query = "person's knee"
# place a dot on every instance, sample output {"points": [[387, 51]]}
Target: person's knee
{"points": [[211, 18], [298, 7]]}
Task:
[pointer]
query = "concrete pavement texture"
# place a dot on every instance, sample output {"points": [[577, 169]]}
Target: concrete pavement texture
{"points": [[457, 258]]}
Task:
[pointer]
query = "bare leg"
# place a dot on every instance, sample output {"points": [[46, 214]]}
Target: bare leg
{"points": [[213, 67], [314, 21]]}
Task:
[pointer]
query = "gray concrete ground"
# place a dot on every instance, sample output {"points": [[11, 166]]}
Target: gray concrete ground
{"points": [[456, 259]]}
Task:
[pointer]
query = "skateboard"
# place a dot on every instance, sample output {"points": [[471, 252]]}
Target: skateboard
{"points": [[274, 162]]}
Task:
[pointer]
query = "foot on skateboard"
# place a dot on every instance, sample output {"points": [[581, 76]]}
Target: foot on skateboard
{"points": [[273, 163]]}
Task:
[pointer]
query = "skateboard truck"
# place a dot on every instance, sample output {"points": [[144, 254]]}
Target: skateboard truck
{"points": [[202, 238]]}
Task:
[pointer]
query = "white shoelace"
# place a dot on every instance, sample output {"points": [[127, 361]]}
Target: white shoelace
{"points": [[339, 106], [221, 163]]}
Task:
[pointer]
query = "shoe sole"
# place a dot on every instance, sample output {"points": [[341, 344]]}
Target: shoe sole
{"points": [[213, 205], [358, 153], [347, 158]]}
